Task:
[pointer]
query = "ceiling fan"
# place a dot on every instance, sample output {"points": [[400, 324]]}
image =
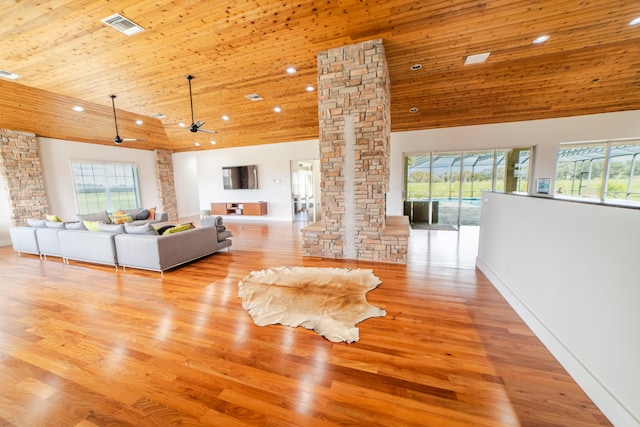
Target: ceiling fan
{"points": [[117, 139], [195, 126]]}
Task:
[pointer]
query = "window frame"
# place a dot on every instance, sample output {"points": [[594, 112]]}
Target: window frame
{"points": [[128, 178], [608, 147]]}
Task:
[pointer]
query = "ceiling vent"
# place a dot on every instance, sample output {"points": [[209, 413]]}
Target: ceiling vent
{"points": [[158, 115], [254, 97], [122, 24], [9, 75], [477, 59]]}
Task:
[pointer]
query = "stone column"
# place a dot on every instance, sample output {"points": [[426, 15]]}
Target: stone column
{"points": [[355, 123], [166, 186], [21, 169]]}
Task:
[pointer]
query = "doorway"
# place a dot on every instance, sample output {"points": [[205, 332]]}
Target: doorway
{"points": [[305, 190]]}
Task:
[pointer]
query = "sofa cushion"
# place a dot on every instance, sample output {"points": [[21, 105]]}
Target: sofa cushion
{"points": [[97, 216], [111, 228], [55, 218], [36, 223], [140, 229], [54, 224], [78, 225]]}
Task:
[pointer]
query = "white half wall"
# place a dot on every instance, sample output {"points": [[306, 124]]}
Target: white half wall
{"points": [[274, 177], [570, 270], [544, 135]]}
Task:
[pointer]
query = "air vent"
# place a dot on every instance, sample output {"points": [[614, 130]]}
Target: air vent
{"points": [[253, 97], [9, 75], [122, 24], [158, 115], [477, 59]]}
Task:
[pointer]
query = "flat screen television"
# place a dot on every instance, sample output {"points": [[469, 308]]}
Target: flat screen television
{"points": [[240, 177]]}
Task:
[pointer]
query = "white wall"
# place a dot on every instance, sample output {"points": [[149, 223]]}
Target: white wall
{"points": [[274, 177], [56, 156], [570, 270], [545, 135], [5, 215]]}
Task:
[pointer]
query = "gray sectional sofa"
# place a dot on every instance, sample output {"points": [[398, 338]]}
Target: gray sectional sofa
{"points": [[130, 245]]}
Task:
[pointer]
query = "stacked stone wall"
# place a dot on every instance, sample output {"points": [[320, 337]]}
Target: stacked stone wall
{"points": [[166, 183], [354, 115], [21, 170]]}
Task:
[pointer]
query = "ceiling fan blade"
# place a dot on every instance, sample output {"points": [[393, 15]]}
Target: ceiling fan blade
{"points": [[133, 139], [198, 123], [207, 131]]}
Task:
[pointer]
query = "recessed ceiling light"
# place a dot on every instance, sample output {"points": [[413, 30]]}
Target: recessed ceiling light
{"points": [[9, 75], [197, 144], [181, 125], [277, 109], [139, 122], [415, 67], [212, 142], [541, 39], [78, 108], [476, 59], [225, 117], [413, 110], [291, 70], [310, 88], [635, 21]]}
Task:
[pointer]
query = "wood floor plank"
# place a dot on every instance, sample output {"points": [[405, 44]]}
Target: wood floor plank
{"points": [[86, 345]]}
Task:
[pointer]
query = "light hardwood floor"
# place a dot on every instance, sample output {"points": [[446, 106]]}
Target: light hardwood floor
{"points": [[84, 345]]}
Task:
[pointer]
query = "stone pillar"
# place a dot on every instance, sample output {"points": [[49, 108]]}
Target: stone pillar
{"points": [[355, 123], [21, 169], [166, 186]]}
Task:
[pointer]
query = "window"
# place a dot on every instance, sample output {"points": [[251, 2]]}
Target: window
{"points": [[446, 187], [607, 171], [105, 186]]}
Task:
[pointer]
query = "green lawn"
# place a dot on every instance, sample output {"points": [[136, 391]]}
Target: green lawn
{"points": [[95, 202], [420, 190], [617, 189]]}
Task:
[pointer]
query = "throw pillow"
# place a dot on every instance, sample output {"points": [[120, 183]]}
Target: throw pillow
{"points": [[120, 218], [178, 228], [111, 228], [143, 214], [54, 218], [152, 213], [36, 223], [78, 225], [91, 225], [140, 229], [54, 224], [164, 228]]}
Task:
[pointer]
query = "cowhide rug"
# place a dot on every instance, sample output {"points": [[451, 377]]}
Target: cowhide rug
{"points": [[328, 300]]}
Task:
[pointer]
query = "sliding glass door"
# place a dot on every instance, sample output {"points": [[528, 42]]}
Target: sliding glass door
{"points": [[444, 189]]}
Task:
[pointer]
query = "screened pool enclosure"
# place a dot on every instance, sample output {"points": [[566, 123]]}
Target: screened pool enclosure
{"points": [[444, 189]]}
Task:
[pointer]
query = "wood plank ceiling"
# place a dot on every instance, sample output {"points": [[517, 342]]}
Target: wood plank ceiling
{"points": [[66, 56]]}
